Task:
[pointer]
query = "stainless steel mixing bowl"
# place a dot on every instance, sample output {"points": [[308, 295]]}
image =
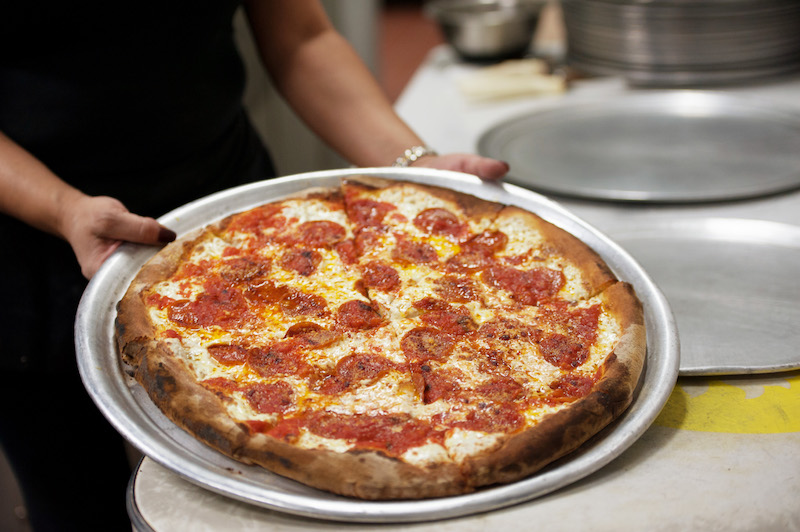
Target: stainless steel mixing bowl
{"points": [[487, 30]]}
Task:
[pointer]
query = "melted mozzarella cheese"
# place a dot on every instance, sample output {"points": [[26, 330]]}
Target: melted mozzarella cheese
{"points": [[240, 409], [462, 444], [309, 440], [522, 238], [427, 454], [331, 280], [312, 210], [389, 395], [212, 248]]}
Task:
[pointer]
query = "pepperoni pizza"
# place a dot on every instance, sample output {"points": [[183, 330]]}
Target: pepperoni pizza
{"points": [[384, 339]]}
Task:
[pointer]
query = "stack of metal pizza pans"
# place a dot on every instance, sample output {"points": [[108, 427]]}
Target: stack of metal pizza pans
{"points": [[683, 42]]}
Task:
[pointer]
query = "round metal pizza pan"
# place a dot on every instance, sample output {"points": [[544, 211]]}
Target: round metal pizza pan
{"points": [[128, 408], [652, 146], [733, 286]]}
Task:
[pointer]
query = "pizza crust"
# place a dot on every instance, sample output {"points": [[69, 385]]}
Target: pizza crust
{"points": [[192, 407], [361, 474], [133, 329]]}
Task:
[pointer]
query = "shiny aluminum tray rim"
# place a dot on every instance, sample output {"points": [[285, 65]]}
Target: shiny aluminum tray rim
{"points": [[116, 395]]}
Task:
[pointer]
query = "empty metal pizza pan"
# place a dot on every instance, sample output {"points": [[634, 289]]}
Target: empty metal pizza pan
{"points": [[673, 43], [733, 286], [660, 146], [132, 413]]}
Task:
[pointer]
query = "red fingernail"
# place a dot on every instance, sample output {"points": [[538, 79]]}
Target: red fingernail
{"points": [[166, 235]]}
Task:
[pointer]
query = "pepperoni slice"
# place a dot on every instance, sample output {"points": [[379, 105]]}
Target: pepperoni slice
{"points": [[528, 287], [493, 417], [426, 343], [457, 289], [255, 221], [440, 383], [380, 276], [281, 358], [276, 397], [221, 384], [292, 302], [500, 389], [366, 212], [266, 292], [159, 301], [220, 305], [563, 352], [297, 303], [366, 239], [411, 252], [352, 370], [358, 315], [286, 429], [505, 329], [579, 323], [427, 304], [570, 387], [302, 261], [456, 322], [320, 234], [490, 241], [439, 221], [478, 252], [346, 250], [243, 269], [228, 355], [188, 270], [313, 334], [392, 433], [583, 323], [469, 260]]}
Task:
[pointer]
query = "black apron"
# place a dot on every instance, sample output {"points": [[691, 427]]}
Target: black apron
{"points": [[140, 101]]}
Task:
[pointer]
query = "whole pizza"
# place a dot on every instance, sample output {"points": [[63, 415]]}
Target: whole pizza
{"points": [[384, 339]]}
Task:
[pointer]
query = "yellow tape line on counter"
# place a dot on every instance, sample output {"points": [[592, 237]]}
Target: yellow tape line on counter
{"points": [[741, 405]]}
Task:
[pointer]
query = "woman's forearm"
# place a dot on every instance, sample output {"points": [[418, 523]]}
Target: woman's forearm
{"points": [[30, 192], [327, 84]]}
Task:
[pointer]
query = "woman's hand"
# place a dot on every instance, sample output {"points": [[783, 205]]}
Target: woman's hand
{"points": [[96, 225], [483, 167]]}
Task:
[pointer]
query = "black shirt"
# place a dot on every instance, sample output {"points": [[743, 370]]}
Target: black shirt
{"points": [[117, 96], [136, 100]]}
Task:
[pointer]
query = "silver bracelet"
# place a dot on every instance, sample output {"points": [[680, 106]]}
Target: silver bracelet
{"points": [[412, 154]]}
